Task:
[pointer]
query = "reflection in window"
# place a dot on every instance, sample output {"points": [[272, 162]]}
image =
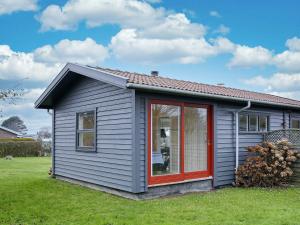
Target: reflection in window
{"points": [[263, 123], [165, 139], [253, 123], [243, 122]]}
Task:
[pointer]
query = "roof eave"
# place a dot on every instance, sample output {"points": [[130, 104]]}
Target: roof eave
{"points": [[85, 71], [10, 131], [193, 93]]}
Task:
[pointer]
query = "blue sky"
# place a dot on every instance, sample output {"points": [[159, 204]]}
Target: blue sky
{"points": [[251, 45]]}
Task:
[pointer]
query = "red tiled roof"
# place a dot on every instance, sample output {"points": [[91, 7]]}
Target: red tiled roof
{"points": [[164, 82]]}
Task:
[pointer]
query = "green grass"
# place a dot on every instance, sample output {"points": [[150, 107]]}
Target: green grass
{"points": [[29, 196]]}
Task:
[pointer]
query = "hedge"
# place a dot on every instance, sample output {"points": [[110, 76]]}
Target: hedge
{"points": [[20, 148], [15, 139]]}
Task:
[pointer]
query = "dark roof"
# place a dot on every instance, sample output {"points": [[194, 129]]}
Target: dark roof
{"points": [[164, 82]]}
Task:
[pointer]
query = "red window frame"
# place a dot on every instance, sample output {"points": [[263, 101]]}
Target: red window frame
{"points": [[182, 175]]}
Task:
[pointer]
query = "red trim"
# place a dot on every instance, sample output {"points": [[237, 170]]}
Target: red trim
{"points": [[182, 175]]}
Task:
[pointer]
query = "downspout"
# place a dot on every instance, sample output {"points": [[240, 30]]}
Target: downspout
{"points": [[48, 111], [237, 134], [53, 141]]}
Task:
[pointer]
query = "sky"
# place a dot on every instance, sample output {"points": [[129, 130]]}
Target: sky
{"points": [[253, 45]]}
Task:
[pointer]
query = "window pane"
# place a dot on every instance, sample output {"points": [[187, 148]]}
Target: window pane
{"points": [[253, 123], [86, 139], [195, 139], [263, 123], [165, 139], [243, 122], [295, 124], [86, 120]]}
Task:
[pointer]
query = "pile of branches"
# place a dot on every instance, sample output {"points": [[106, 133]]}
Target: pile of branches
{"points": [[269, 165]]}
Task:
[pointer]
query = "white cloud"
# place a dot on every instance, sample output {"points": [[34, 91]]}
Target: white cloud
{"points": [[20, 65], [174, 26], [126, 13], [32, 94], [84, 52], [153, 1], [10, 6], [288, 61], [223, 45], [293, 44], [45, 62], [214, 14], [244, 56], [24, 108], [222, 29], [286, 94], [128, 45], [280, 82]]}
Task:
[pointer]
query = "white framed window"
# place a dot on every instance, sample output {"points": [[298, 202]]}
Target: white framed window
{"points": [[263, 123], [295, 124], [243, 122], [86, 131], [253, 122]]}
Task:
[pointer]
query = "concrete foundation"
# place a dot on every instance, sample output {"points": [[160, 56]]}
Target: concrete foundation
{"points": [[153, 192]]}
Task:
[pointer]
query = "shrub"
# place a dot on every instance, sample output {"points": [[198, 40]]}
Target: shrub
{"points": [[20, 148], [270, 166], [15, 139], [46, 147]]}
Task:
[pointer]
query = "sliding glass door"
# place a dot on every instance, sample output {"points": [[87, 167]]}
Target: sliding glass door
{"points": [[179, 137], [165, 139], [195, 139]]}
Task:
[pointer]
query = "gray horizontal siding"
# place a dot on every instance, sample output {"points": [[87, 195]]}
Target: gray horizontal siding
{"points": [[142, 143], [224, 149], [225, 140], [111, 165]]}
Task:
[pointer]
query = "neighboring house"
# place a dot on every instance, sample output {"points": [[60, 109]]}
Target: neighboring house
{"points": [[142, 135], [8, 133]]}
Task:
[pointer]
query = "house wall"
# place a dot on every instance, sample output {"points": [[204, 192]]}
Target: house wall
{"points": [[225, 139], [224, 135], [112, 164], [6, 134]]}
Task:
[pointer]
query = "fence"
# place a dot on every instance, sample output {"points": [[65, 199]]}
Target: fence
{"points": [[293, 136]]}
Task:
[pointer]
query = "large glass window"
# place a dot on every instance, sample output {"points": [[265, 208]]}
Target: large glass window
{"points": [[195, 139], [165, 139], [86, 130]]}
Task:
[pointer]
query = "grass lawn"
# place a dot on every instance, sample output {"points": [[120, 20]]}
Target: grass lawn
{"points": [[29, 196]]}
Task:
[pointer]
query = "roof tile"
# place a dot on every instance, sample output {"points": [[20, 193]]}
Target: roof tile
{"points": [[164, 82]]}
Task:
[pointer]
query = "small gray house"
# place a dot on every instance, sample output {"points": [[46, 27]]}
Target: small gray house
{"points": [[141, 136]]}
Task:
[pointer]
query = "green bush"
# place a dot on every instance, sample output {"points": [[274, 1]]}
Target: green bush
{"points": [[20, 148], [15, 139]]}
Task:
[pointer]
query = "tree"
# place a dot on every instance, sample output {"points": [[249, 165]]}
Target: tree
{"points": [[16, 124], [44, 132], [10, 95]]}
